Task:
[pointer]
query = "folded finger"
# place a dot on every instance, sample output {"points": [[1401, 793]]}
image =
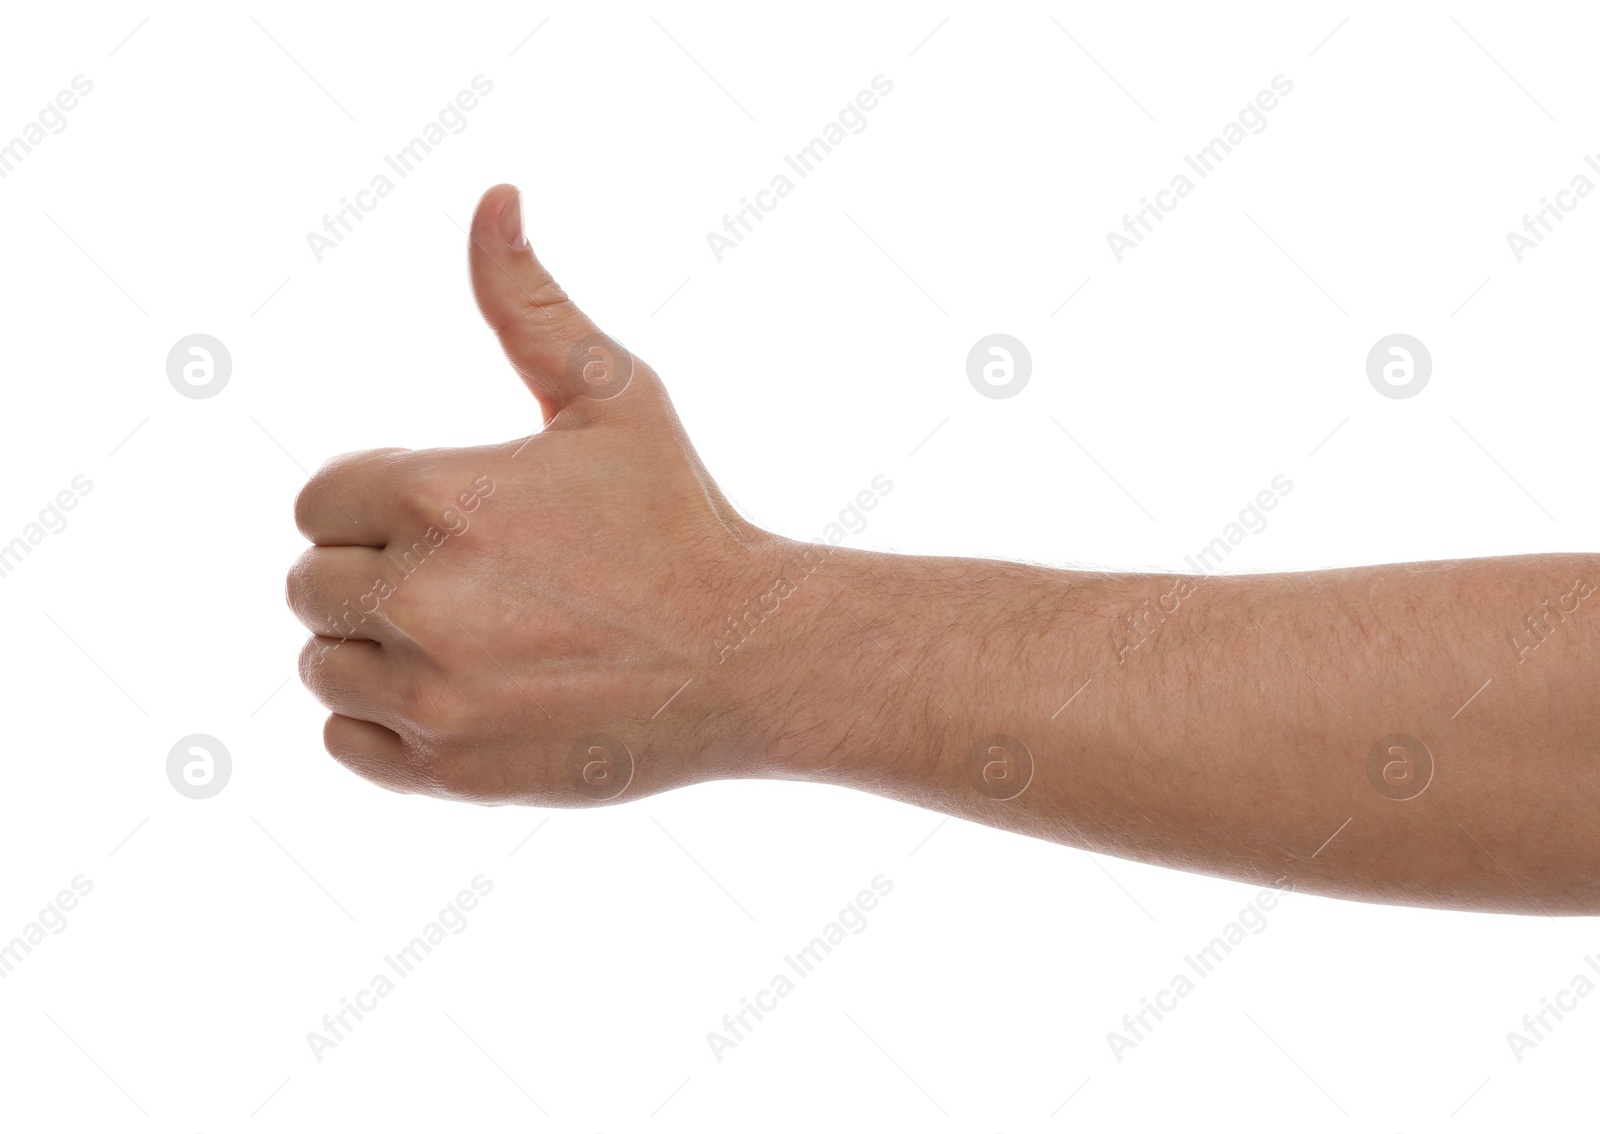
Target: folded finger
{"points": [[351, 677], [374, 753], [338, 592], [349, 501]]}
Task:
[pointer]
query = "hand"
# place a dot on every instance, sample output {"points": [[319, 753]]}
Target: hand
{"points": [[518, 622]]}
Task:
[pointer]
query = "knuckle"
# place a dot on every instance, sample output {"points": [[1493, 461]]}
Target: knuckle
{"points": [[313, 664], [426, 770], [410, 611], [300, 585], [546, 299], [303, 508], [436, 712], [549, 315], [429, 494], [427, 766], [316, 492], [307, 504]]}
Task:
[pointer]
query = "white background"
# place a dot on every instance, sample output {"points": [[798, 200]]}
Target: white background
{"points": [[827, 348]]}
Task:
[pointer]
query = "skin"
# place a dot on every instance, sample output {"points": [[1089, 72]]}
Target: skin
{"points": [[554, 621]]}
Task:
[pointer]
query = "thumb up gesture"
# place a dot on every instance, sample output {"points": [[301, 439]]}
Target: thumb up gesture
{"points": [[534, 621]]}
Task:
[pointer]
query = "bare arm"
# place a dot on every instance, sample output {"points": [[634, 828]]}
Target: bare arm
{"points": [[579, 617], [1424, 733]]}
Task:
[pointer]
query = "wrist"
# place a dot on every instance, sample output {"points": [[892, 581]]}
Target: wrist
{"points": [[870, 670], [789, 662]]}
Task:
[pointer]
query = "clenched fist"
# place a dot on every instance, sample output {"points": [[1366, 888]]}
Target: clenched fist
{"points": [[532, 621]]}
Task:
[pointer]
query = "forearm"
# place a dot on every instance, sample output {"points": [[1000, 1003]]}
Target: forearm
{"points": [[1223, 724]]}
